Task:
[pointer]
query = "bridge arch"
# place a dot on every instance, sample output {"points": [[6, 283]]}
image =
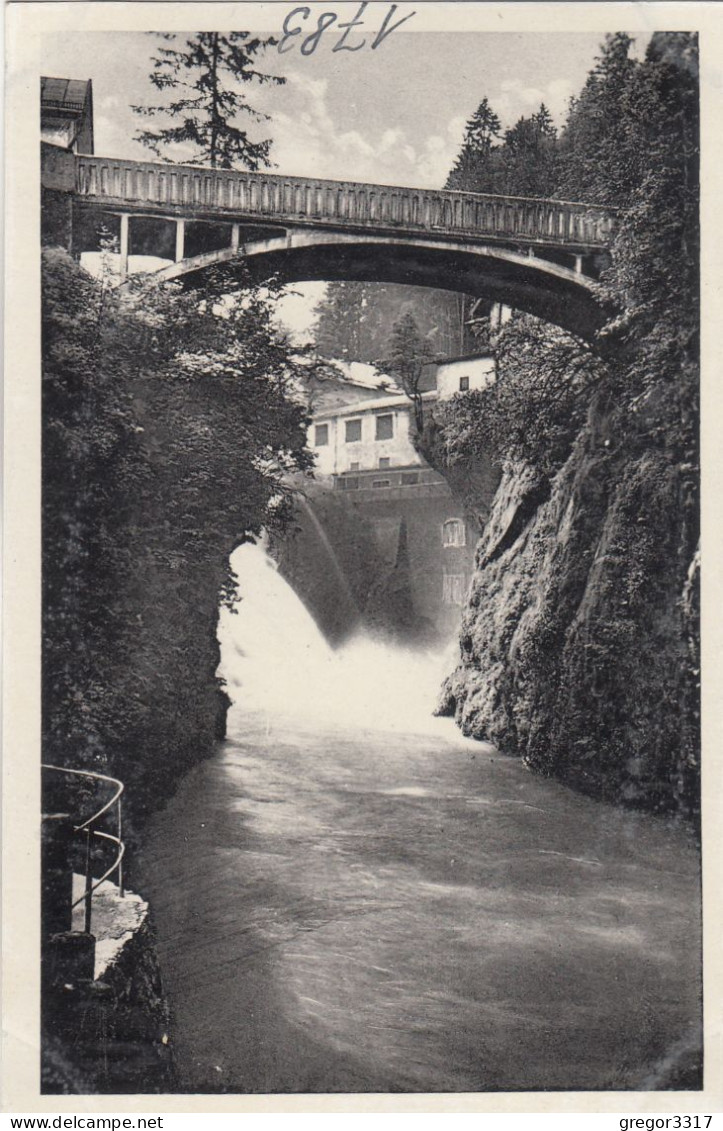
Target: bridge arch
{"points": [[557, 294]]}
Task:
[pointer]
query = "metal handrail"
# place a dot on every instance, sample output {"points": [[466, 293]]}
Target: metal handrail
{"points": [[86, 827], [98, 777], [114, 865]]}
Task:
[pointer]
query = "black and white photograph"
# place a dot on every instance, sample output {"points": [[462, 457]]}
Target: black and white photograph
{"points": [[366, 361]]}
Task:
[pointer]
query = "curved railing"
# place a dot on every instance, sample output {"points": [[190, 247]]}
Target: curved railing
{"points": [[272, 197], [88, 828]]}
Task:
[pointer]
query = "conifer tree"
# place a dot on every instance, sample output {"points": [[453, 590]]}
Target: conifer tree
{"points": [[597, 160], [408, 353], [482, 128], [528, 157], [474, 169], [205, 78], [355, 319], [544, 122]]}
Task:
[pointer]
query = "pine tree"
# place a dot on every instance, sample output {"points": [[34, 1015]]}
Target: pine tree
{"points": [[341, 321], [597, 160], [474, 170], [482, 128], [355, 320], [529, 156], [408, 353], [207, 73], [544, 122]]}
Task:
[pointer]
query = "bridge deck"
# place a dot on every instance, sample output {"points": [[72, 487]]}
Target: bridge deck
{"points": [[269, 198]]}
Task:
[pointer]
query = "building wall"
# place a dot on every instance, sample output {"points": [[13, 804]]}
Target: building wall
{"points": [[479, 372], [418, 533], [339, 455], [439, 574]]}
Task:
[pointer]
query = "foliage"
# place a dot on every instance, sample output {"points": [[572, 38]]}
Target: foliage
{"points": [[522, 163], [654, 273], [598, 157], [533, 411], [408, 353], [169, 423], [647, 163], [475, 160], [206, 76], [631, 140], [354, 320], [529, 156]]}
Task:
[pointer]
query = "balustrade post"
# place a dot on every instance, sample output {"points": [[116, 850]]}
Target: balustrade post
{"points": [[88, 884], [121, 886], [124, 240], [578, 265], [180, 240]]}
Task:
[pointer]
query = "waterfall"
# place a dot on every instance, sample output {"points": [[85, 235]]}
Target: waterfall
{"points": [[329, 551], [275, 659]]}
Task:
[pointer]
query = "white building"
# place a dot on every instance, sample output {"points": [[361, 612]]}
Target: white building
{"points": [[464, 374], [365, 435], [368, 435]]}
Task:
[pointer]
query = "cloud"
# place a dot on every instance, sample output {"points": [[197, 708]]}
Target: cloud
{"points": [[307, 143], [516, 99]]}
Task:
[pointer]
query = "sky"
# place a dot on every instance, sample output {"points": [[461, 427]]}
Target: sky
{"points": [[395, 115]]}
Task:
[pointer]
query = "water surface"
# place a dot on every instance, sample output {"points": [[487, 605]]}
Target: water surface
{"points": [[365, 910]]}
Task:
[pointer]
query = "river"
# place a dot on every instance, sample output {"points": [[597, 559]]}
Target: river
{"points": [[349, 901]]}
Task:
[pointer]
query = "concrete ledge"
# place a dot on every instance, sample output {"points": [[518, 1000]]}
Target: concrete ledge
{"points": [[115, 920]]}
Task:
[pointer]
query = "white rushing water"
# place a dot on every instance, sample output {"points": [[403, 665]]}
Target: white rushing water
{"points": [[274, 658]]}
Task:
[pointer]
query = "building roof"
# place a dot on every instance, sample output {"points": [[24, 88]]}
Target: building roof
{"points": [[356, 408], [64, 94], [479, 355], [365, 375], [66, 113]]}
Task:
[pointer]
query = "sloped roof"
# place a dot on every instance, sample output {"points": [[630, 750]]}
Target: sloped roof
{"points": [[70, 94]]}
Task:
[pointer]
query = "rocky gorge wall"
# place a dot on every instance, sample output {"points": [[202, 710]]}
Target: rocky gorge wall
{"points": [[578, 638]]}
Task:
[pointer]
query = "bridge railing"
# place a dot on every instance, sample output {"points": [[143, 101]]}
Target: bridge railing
{"points": [[206, 193]]}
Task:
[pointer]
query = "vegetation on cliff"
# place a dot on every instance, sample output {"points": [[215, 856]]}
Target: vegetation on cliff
{"points": [[579, 645], [167, 425]]}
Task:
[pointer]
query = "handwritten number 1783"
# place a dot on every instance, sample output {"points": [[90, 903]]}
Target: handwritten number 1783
{"points": [[310, 41]]}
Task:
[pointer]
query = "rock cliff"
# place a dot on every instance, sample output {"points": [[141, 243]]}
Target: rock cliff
{"points": [[578, 640]]}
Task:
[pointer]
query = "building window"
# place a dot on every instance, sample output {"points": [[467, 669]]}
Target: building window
{"points": [[353, 431], [353, 466], [384, 461], [385, 427], [453, 533], [409, 478], [348, 483], [381, 482], [321, 435], [463, 384], [453, 588]]}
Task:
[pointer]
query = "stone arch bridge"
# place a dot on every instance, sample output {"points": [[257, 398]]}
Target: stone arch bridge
{"points": [[542, 256]]}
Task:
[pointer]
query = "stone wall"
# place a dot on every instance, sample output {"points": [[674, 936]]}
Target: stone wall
{"points": [[376, 560]]}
